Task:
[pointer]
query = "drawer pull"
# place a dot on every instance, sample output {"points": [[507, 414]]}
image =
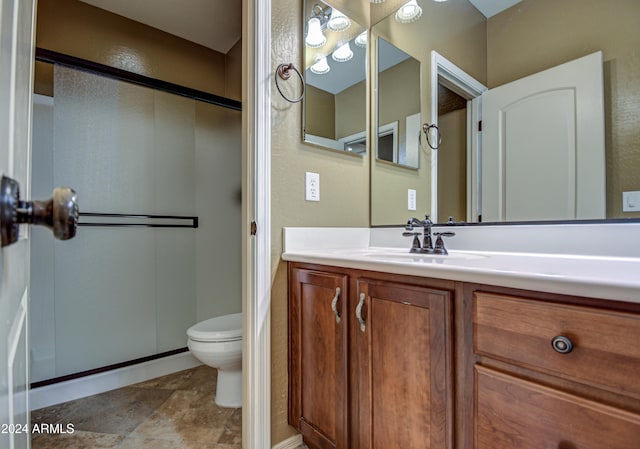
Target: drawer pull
{"points": [[562, 344], [334, 305], [363, 326]]}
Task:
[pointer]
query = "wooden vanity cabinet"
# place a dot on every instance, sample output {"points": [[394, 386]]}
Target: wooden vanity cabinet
{"points": [[381, 376], [432, 364], [548, 371]]}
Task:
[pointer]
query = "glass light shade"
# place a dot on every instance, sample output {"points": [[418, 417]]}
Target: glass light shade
{"points": [[343, 53], [315, 38], [361, 39], [409, 12], [338, 21], [320, 67]]}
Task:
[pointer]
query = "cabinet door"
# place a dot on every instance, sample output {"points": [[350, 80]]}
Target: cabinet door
{"points": [[404, 372], [318, 357]]}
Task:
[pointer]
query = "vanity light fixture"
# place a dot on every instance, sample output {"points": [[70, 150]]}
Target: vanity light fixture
{"points": [[361, 39], [375, 2], [338, 21], [320, 67], [409, 12], [343, 53], [315, 37]]}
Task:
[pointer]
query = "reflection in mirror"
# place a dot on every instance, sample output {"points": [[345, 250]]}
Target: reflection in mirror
{"points": [[401, 170], [497, 47], [335, 75], [398, 106]]}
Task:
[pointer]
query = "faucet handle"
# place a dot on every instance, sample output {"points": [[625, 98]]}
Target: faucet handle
{"points": [[415, 244], [438, 247]]}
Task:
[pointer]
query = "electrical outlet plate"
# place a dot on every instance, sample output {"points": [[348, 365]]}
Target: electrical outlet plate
{"points": [[312, 186], [631, 201]]}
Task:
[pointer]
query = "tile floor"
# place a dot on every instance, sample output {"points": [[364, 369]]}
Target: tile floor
{"points": [[171, 412]]}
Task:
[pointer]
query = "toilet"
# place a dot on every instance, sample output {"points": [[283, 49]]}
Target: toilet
{"points": [[217, 342]]}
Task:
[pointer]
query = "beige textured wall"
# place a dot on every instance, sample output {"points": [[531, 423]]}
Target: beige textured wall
{"points": [[457, 31], [344, 195], [78, 29], [555, 32], [350, 118], [320, 120]]}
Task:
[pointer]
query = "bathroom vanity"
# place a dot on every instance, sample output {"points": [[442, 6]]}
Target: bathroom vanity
{"points": [[392, 350]]}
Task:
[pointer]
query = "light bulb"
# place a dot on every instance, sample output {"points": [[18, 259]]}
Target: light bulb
{"points": [[315, 37], [409, 12], [361, 39], [320, 67], [343, 53], [338, 21]]}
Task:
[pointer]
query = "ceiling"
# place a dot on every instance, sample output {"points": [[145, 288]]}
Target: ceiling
{"points": [[492, 7], [216, 24]]}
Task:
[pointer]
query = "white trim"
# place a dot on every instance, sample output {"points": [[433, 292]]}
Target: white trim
{"points": [[109, 380], [474, 160], [324, 142], [290, 443], [456, 79], [17, 331], [256, 416]]}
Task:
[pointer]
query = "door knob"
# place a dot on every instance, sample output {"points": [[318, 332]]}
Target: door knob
{"points": [[59, 213]]}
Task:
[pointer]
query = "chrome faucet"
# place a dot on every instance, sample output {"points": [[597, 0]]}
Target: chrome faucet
{"points": [[427, 242]]}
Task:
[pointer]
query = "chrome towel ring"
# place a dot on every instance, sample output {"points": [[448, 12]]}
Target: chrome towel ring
{"points": [[428, 131], [284, 71]]}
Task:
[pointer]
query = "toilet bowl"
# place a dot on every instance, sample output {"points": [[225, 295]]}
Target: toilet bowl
{"points": [[217, 342]]}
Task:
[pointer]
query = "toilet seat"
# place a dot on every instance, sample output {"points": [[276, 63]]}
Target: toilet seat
{"points": [[220, 329]]}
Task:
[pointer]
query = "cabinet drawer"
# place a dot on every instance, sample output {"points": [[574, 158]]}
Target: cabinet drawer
{"points": [[514, 413], [605, 353]]}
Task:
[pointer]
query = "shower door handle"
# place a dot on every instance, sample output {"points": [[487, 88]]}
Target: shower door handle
{"points": [[59, 213]]}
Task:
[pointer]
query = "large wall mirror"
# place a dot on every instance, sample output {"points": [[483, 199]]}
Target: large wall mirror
{"points": [[335, 59], [492, 46]]}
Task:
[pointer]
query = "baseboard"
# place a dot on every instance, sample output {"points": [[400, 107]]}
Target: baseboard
{"points": [[290, 443], [110, 380]]}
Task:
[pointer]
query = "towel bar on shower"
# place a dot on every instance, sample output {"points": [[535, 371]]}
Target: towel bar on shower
{"points": [[146, 221]]}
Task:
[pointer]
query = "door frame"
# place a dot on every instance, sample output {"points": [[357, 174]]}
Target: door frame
{"points": [[256, 208], [454, 78]]}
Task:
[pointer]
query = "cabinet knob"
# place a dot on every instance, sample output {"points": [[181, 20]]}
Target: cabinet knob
{"points": [[562, 344]]}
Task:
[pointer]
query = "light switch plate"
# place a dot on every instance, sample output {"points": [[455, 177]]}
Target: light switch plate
{"points": [[312, 186], [631, 201], [411, 199]]}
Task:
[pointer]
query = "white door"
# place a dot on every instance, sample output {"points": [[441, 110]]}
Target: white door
{"points": [[543, 145], [16, 80]]}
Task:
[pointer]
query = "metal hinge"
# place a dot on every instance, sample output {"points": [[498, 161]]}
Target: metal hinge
{"points": [[254, 228]]}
